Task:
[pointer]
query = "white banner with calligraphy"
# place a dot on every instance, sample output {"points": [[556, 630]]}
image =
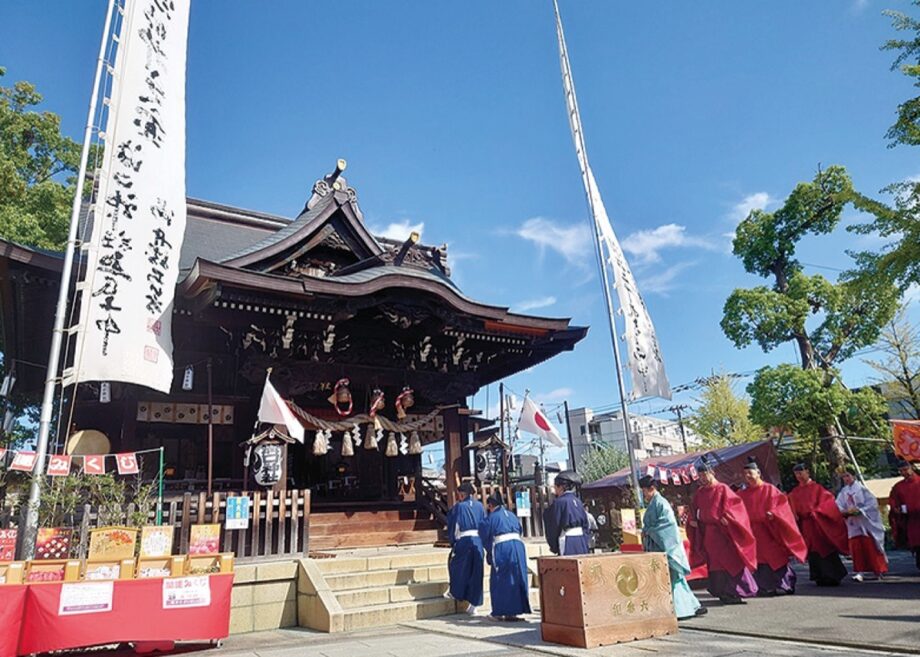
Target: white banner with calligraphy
{"points": [[643, 354], [139, 214]]}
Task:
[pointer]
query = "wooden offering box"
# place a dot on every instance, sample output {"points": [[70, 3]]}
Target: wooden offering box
{"points": [[111, 569], [595, 600], [52, 570], [12, 572], [155, 567], [209, 564]]}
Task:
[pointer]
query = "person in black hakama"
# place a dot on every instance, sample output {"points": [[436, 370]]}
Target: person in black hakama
{"points": [[566, 520], [465, 565]]}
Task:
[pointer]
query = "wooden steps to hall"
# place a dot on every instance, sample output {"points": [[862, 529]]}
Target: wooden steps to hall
{"points": [[372, 528]]}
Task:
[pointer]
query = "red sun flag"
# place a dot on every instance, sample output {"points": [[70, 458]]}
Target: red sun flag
{"points": [[533, 420]]}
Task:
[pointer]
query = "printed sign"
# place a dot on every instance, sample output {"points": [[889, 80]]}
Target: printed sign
{"points": [[127, 463], [112, 543], [8, 544], [522, 503], [53, 543], [94, 464], [157, 541], [85, 598], [23, 461], [59, 465], [204, 539], [237, 513], [185, 592]]}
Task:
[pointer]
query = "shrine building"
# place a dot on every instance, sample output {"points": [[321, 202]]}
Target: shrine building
{"points": [[318, 299]]}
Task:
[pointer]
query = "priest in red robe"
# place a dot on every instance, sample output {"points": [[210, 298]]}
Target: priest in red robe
{"points": [[904, 510], [822, 526], [720, 537], [776, 532]]}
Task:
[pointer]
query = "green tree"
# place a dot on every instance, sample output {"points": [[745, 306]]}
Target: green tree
{"points": [[601, 461], [899, 366], [898, 221], [722, 418], [37, 170], [826, 321]]}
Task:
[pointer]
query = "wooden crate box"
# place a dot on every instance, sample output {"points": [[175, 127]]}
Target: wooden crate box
{"points": [[600, 599]]}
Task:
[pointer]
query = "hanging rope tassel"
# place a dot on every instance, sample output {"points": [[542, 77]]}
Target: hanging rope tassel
{"points": [[320, 446], [347, 446], [392, 447], [371, 438], [415, 443]]}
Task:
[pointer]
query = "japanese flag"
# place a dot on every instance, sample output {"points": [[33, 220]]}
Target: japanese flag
{"points": [[59, 465], [94, 464], [533, 420], [274, 410], [127, 463], [23, 461]]}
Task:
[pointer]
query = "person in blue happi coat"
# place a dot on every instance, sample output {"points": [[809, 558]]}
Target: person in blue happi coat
{"points": [[661, 534], [501, 537], [465, 565], [566, 521]]}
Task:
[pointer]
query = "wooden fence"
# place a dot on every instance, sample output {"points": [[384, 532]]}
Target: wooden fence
{"points": [[279, 524], [541, 497]]}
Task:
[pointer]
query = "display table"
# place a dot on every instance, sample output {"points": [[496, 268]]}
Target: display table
{"points": [[137, 614], [12, 603], [594, 600]]}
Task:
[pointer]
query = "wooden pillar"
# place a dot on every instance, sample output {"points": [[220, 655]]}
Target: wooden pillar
{"points": [[453, 451]]}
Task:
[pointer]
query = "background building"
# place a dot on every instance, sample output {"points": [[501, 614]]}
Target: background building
{"points": [[653, 436]]}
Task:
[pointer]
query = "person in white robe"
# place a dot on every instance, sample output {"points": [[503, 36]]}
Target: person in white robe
{"points": [[864, 527]]}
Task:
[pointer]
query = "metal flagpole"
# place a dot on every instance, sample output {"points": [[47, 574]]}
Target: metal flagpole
{"points": [[601, 261], [54, 356], [160, 487]]}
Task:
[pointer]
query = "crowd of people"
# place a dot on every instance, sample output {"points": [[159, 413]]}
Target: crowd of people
{"points": [[747, 539]]}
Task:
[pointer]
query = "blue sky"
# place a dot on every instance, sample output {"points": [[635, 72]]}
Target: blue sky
{"points": [[451, 116]]}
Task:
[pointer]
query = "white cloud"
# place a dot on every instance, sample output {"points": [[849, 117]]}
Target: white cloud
{"points": [[911, 294], [572, 242], [858, 6], [755, 201], [553, 396], [646, 244], [398, 230], [665, 281], [534, 304]]}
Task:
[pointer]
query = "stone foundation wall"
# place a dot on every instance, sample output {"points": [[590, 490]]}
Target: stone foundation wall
{"points": [[264, 597]]}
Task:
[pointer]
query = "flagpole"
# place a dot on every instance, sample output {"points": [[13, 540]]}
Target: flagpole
{"points": [[51, 377], [601, 261]]}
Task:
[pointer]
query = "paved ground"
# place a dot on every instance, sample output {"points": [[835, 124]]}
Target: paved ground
{"points": [[856, 620]]}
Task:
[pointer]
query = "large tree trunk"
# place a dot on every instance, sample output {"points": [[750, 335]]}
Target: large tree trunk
{"points": [[832, 446]]}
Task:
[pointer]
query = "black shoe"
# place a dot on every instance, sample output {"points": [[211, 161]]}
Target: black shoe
{"points": [[702, 611], [732, 601], [767, 594]]}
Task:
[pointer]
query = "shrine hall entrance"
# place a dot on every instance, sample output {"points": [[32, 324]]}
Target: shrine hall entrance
{"points": [[369, 476]]}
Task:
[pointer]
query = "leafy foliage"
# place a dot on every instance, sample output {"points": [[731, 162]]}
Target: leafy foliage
{"points": [[37, 167], [906, 129], [600, 462], [722, 418], [900, 366]]}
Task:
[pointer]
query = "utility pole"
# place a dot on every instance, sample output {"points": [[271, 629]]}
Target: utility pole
{"points": [[680, 421], [506, 454], [568, 428]]}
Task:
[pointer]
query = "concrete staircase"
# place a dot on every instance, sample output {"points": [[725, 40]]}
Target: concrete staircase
{"points": [[374, 588]]}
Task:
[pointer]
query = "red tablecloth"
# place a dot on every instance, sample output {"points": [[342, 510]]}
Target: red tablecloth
{"points": [[137, 614], [12, 602]]}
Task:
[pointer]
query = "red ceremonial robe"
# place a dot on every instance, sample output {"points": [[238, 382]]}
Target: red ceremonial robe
{"points": [[778, 538], [905, 527], [728, 547], [822, 525]]}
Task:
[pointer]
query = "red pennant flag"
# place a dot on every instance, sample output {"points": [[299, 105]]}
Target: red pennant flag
{"points": [[675, 477], [59, 465], [906, 439], [94, 464], [693, 473], [684, 477], [23, 461], [663, 475], [127, 463]]}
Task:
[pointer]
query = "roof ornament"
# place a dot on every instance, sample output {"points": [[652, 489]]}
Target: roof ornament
{"points": [[334, 183]]}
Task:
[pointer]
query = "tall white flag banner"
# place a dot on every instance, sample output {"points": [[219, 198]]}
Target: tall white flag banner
{"points": [[644, 356], [533, 420], [125, 329]]}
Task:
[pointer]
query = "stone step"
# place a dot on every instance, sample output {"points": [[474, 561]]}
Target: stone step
{"points": [[357, 563], [391, 577], [390, 594], [399, 612]]}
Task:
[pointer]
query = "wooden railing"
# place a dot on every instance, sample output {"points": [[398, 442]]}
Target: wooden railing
{"points": [[541, 497], [279, 524]]}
